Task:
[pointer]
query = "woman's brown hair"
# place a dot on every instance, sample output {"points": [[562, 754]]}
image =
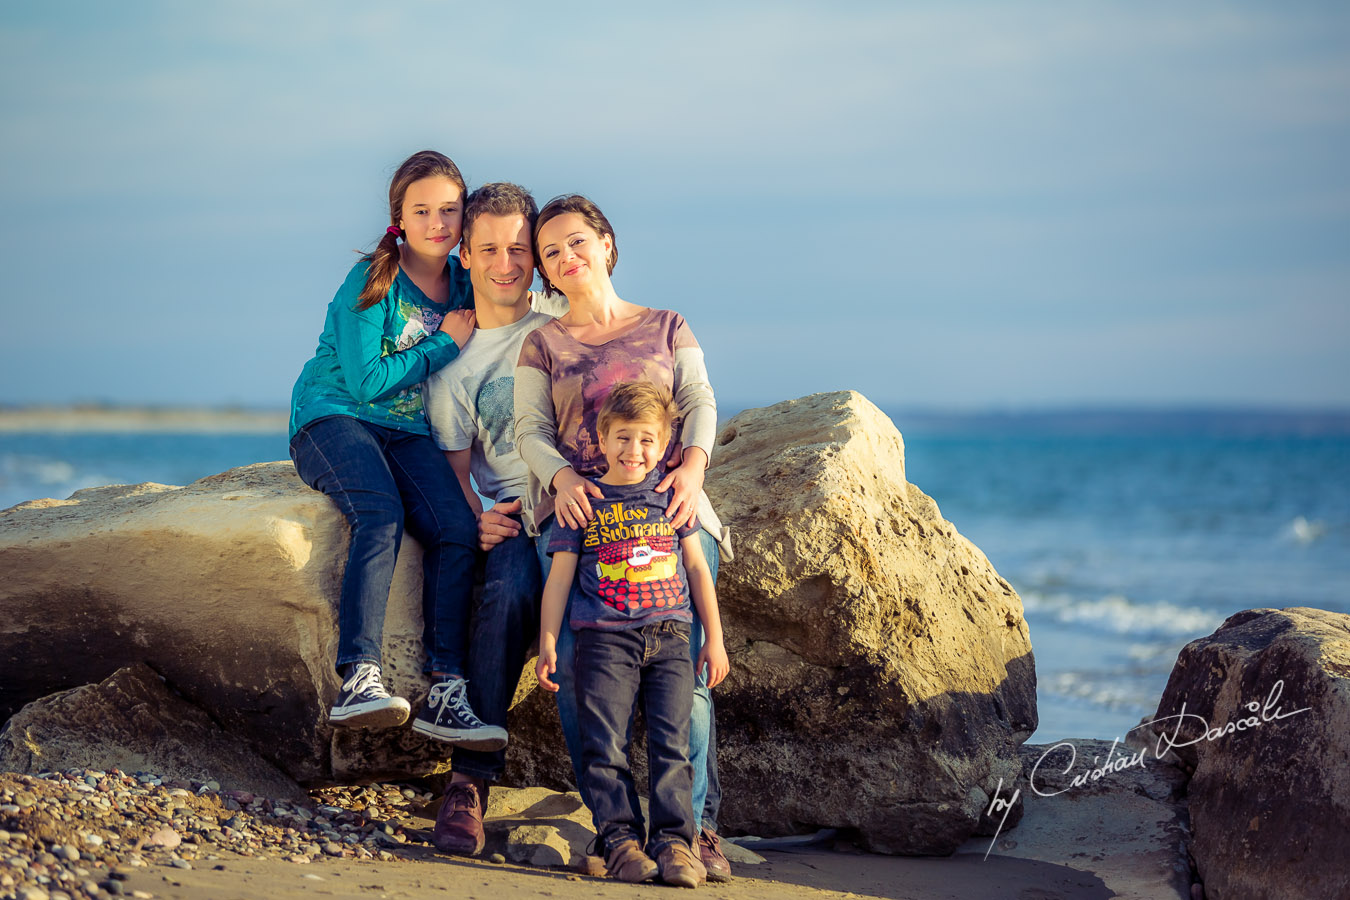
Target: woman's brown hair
{"points": [[382, 262], [590, 214]]}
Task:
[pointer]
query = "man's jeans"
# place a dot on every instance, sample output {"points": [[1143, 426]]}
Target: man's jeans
{"points": [[381, 478], [707, 790], [613, 670], [504, 629]]}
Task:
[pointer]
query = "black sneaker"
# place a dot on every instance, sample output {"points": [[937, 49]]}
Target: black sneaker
{"points": [[446, 716], [363, 701]]}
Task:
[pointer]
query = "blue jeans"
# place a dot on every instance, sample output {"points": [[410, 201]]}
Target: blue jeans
{"points": [[504, 628], [707, 791], [614, 671], [383, 479]]}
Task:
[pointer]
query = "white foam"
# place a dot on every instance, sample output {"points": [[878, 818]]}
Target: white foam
{"points": [[1117, 613], [1305, 532], [1099, 690]]}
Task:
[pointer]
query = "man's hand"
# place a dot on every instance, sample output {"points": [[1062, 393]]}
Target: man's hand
{"points": [[496, 525]]}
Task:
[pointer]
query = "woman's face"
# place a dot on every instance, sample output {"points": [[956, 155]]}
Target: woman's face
{"points": [[433, 215], [572, 253]]}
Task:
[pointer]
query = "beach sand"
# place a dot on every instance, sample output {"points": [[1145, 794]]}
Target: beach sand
{"points": [[819, 875]]}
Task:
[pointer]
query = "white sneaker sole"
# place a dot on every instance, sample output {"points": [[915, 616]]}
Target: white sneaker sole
{"points": [[389, 713], [488, 738]]}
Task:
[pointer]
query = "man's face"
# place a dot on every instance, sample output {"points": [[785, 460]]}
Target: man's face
{"points": [[499, 258]]}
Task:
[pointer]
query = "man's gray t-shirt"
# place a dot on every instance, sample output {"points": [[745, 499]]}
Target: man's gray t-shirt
{"points": [[471, 404]]}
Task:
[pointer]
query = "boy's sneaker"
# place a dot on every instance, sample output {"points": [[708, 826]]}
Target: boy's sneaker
{"points": [[363, 701], [446, 716]]}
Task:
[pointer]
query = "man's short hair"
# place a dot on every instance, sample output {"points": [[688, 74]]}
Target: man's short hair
{"points": [[499, 198], [637, 401]]}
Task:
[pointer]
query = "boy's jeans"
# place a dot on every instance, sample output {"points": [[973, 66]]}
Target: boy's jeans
{"points": [[613, 670], [505, 626], [707, 790], [380, 479]]}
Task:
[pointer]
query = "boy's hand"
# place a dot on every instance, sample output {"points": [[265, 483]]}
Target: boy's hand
{"points": [[714, 656], [546, 666], [496, 525]]}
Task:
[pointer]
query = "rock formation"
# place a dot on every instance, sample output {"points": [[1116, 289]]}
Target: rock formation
{"points": [[882, 676], [226, 588], [1269, 798]]}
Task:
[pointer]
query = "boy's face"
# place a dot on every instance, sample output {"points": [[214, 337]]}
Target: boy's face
{"points": [[632, 450]]}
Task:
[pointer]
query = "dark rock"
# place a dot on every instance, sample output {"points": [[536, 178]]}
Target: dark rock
{"points": [[132, 721], [1270, 796]]}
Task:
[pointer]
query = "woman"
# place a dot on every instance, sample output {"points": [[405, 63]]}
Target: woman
{"points": [[359, 434], [566, 369]]}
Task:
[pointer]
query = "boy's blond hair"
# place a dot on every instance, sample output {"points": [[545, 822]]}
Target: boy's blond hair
{"points": [[637, 401]]}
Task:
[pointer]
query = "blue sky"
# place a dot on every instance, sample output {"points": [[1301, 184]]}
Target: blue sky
{"points": [[939, 204]]}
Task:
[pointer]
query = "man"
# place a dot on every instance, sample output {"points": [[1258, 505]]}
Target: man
{"points": [[470, 403]]}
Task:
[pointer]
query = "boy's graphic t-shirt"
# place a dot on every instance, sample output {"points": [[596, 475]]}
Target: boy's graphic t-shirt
{"points": [[632, 572]]}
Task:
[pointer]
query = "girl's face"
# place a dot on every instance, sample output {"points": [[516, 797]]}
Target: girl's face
{"points": [[572, 253], [433, 215]]}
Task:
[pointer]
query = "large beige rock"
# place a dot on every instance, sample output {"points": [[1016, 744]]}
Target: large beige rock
{"points": [[227, 588], [882, 675], [1270, 796]]}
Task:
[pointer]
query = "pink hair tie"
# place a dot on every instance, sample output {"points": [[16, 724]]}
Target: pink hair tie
{"points": [[394, 230]]}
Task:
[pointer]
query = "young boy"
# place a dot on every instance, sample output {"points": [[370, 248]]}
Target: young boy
{"points": [[632, 619]]}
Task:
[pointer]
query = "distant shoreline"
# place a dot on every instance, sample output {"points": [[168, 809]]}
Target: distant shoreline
{"points": [[919, 421], [107, 419]]}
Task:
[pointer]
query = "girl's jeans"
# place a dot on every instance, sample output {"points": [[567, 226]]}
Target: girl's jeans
{"points": [[381, 479]]}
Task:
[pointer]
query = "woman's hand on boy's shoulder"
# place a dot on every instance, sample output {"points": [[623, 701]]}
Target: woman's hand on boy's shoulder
{"points": [[572, 493], [685, 483]]}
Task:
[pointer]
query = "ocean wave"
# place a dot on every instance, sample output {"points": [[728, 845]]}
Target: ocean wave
{"points": [[1117, 614], [17, 468], [1101, 690], [1304, 531], [28, 477]]}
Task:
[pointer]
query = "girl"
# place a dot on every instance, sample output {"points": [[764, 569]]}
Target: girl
{"points": [[360, 435]]}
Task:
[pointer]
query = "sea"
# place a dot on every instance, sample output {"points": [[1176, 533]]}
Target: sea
{"points": [[1127, 534]]}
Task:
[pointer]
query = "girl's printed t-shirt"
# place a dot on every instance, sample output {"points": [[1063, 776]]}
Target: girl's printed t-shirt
{"points": [[630, 565]]}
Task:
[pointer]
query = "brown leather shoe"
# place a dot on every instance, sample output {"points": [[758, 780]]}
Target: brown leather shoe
{"points": [[626, 862], [710, 853], [680, 867], [459, 824]]}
